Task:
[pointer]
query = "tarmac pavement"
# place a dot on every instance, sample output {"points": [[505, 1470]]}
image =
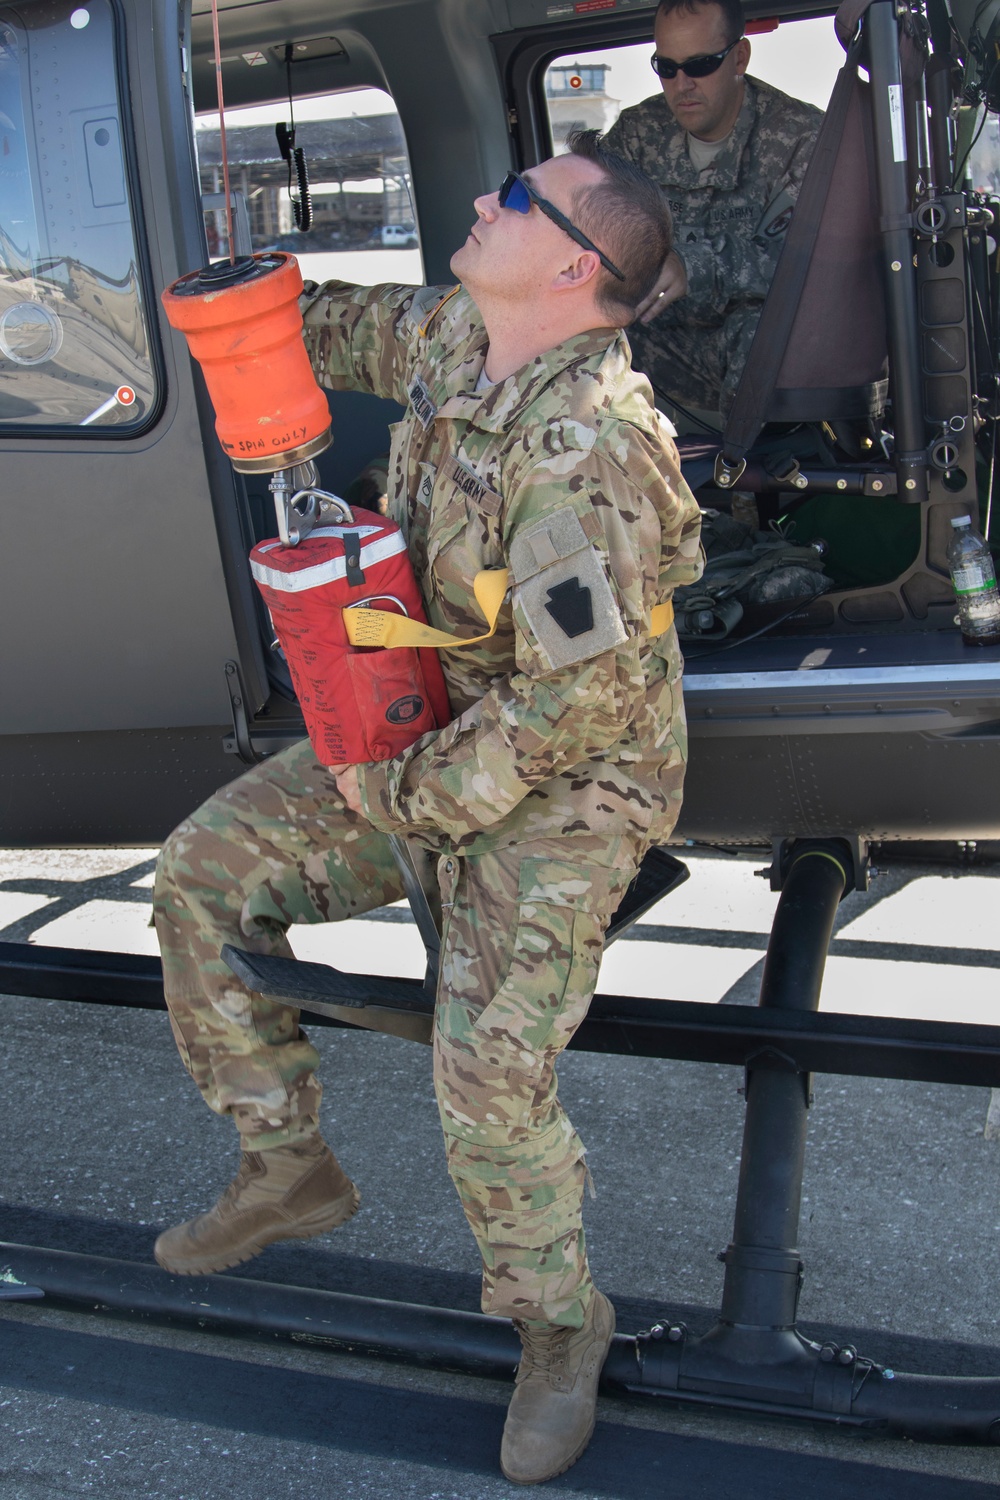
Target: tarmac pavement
{"points": [[106, 1141]]}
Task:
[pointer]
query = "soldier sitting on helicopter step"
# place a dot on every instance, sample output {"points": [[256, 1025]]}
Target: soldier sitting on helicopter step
{"points": [[527, 443]]}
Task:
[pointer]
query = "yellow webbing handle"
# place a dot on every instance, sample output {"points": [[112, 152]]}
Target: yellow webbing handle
{"points": [[379, 627], [661, 617]]}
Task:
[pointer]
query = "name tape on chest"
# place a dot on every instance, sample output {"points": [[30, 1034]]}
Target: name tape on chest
{"points": [[420, 400], [470, 484]]}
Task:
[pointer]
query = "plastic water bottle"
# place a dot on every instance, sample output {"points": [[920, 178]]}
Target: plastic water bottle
{"points": [[974, 578]]}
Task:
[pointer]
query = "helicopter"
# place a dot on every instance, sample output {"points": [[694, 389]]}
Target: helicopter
{"points": [[140, 669], [862, 713]]}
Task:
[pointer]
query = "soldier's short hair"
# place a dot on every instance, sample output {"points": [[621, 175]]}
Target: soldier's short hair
{"points": [[733, 18], [628, 216]]}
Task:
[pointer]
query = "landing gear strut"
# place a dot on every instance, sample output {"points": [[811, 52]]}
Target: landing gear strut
{"points": [[754, 1358]]}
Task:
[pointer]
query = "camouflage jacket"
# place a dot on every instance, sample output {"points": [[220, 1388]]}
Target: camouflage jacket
{"points": [[730, 220], [565, 474]]}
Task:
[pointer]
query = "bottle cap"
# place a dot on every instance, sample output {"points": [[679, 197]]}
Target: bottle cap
{"points": [[958, 521]]}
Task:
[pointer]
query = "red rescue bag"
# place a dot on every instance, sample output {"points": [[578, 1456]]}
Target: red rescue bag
{"points": [[359, 704]]}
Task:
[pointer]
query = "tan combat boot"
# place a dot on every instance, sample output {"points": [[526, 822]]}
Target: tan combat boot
{"points": [[287, 1193], [553, 1410]]}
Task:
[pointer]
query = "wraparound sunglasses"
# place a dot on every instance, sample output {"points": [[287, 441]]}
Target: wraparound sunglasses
{"points": [[695, 67], [517, 193]]}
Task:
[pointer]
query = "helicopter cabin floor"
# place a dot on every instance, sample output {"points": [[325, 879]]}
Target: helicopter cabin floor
{"points": [[867, 649]]}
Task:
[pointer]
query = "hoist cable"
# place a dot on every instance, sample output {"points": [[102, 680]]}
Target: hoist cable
{"points": [[222, 133]]}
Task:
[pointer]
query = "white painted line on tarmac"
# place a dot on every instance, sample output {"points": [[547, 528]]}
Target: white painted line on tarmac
{"points": [[940, 910], [673, 971], [358, 947], [108, 926]]}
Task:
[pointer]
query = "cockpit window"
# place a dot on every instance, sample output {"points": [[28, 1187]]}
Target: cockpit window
{"points": [[74, 344], [355, 161]]}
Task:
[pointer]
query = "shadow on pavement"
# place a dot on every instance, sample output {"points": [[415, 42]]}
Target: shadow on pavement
{"points": [[455, 1435]]}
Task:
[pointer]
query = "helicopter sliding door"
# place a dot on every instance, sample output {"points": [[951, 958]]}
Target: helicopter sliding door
{"points": [[122, 600]]}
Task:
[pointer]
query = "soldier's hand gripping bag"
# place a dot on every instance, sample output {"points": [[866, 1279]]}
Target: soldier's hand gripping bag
{"points": [[359, 704]]}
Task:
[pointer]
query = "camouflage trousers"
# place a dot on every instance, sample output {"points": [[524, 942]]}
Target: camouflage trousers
{"points": [[521, 947], [695, 365]]}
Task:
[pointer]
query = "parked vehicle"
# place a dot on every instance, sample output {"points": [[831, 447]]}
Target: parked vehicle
{"points": [[398, 237]]}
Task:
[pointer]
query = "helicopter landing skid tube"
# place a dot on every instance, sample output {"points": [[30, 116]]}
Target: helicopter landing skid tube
{"points": [[754, 1358]]}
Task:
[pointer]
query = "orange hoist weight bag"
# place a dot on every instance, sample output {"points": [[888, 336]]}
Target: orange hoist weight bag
{"points": [[359, 704]]}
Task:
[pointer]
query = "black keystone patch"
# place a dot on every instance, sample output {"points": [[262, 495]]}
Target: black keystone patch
{"points": [[405, 710], [571, 608]]}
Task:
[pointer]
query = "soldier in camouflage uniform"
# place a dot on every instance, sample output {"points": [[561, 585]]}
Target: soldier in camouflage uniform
{"points": [[730, 153], [527, 443]]}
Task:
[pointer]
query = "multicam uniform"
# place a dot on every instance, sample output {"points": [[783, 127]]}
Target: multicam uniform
{"points": [[729, 225], [564, 762]]}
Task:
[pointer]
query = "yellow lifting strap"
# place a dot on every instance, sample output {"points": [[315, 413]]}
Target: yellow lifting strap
{"points": [[379, 627]]}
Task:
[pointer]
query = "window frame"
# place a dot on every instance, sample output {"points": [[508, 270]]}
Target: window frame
{"points": [[118, 433], [304, 250], [523, 58]]}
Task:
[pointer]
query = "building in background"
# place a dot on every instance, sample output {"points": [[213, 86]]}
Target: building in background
{"points": [[577, 99], [358, 174]]}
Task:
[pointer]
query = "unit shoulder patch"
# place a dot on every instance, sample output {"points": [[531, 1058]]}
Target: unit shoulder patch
{"points": [[571, 606], [562, 591]]}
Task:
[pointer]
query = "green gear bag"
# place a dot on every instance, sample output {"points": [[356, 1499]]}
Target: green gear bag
{"points": [[868, 541]]}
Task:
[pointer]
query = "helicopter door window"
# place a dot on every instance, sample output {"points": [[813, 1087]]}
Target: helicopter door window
{"points": [[588, 90], [357, 177], [74, 344]]}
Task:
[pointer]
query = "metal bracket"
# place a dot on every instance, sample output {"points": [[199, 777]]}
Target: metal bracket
{"points": [[416, 867], [726, 473], [241, 724], [299, 505], [659, 1352], [857, 861], [773, 1060], [881, 482], [840, 1374], [935, 217], [784, 467]]}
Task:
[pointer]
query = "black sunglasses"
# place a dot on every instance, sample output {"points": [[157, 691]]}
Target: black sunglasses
{"points": [[695, 67], [517, 193]]}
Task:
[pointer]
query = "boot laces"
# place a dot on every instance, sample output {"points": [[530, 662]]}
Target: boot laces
{"points": [[544, 1349], [248, 1169]]}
